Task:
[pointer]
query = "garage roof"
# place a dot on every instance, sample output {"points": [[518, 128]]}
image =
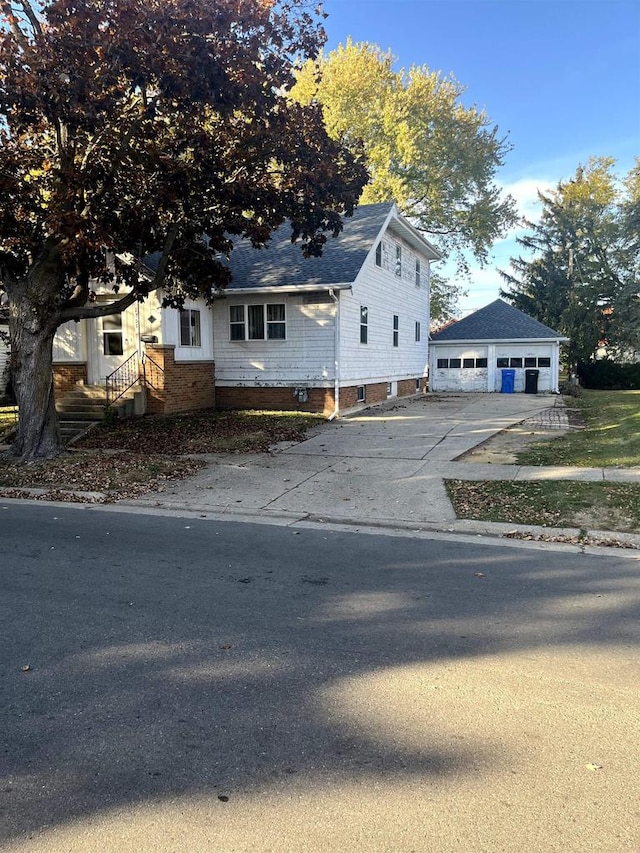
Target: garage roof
{"points": [[497, 322]]}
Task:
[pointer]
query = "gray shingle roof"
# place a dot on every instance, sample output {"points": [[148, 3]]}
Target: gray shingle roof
{"points": [[281, 263], [497, 321]]}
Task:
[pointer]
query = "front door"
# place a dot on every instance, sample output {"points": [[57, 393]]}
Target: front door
{"points": [[112, 340]]}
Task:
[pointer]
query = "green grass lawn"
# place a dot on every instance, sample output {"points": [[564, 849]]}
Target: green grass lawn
{"points": [[610, 438], [600, 506]]}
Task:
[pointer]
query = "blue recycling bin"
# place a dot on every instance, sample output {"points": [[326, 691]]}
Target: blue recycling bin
{"points": [[508, 381]]}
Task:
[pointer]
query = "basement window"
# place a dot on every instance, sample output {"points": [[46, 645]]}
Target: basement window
{"points": [[360, 394]]}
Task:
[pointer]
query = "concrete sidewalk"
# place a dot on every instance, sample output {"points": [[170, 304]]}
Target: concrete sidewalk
{"points": [[382, 467]]}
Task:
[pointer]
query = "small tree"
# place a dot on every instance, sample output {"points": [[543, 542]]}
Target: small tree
{"points": [[138, 126]]}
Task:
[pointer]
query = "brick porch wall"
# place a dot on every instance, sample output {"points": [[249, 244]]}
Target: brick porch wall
{"points": [[183, 387], [65, 377]]}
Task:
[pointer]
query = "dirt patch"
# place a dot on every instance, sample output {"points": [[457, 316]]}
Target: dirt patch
{"points": [[502, 449]]}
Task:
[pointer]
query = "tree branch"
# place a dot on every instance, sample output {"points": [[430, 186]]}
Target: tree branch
{"points": [[13, 23]]}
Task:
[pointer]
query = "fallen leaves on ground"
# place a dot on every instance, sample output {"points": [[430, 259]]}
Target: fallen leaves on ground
{"points": [[107, 477], [202, 432]]}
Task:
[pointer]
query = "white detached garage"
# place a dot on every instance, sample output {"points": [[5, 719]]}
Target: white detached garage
{"points": [[473, 353]]}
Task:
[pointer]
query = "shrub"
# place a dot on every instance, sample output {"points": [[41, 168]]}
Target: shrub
{"points": [[608, 375]]}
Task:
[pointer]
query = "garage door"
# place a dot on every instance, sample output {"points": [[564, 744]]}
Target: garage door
{"points": [[458, 369]]}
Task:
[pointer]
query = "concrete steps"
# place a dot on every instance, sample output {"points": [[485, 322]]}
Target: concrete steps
{"points": [[79, 410], [86, 405]]}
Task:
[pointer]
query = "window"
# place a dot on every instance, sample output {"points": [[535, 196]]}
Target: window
{"points": [[529, 362], [236, 323], [417, 331], [544, 362], [276, 326], [256, 324], [417, 272], [515, 362], [389, 389], [364, 324], [481, 362], [468, 362], [379, 254], [360, 394], [417, 384], [112, 335], [396, 333], [454, 362], [190, 328], [398, 261], [443, 363], [502, 362]]}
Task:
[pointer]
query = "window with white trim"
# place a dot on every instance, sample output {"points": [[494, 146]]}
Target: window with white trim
{"points": [[190, 328], [417, 331], [360, 394], [364, 324], [257, 322], [237, 323], [398, 260], [396, 330], [418, 274], [379, 254]]}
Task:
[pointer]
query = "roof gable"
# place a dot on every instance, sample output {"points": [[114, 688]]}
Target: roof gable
{"points": [[281, 263], [497, 321]]}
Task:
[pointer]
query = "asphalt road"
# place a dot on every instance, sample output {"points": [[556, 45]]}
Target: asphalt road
{"points": [[198, 685]]}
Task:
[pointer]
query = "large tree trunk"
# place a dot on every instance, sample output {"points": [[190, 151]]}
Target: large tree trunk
{"points": [[33, 320], [32, 373]]}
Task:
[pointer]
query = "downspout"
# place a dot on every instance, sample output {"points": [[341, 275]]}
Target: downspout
{"points": [[336, 357]]}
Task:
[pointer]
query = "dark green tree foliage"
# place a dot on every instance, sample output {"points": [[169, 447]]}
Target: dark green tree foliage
{"points": [[579, 274], [138, 126]]}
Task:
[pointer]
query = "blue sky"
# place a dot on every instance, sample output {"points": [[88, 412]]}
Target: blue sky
{"points": [[561, 79]]}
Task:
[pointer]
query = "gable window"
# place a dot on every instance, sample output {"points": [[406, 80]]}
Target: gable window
{"points": [[257, 322], [190, 328], [398, 261], [417, 272], [417, 331], [379, 254], [364, 324], [396, 327]]}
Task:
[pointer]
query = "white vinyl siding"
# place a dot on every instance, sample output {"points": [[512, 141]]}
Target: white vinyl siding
{"points": [[298, 352]]}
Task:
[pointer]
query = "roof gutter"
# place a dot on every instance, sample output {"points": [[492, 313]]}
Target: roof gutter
{"points": [[282, 288]]}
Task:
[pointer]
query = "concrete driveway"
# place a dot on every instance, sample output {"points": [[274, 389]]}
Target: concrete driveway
{"points": [[382, 466]]}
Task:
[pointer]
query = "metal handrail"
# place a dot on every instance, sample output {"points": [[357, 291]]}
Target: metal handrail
{"points": [[155, 372], [122, 378]]}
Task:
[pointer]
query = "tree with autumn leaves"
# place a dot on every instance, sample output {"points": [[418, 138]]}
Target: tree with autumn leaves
{"points": [[131, 127], [436, 157]]}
